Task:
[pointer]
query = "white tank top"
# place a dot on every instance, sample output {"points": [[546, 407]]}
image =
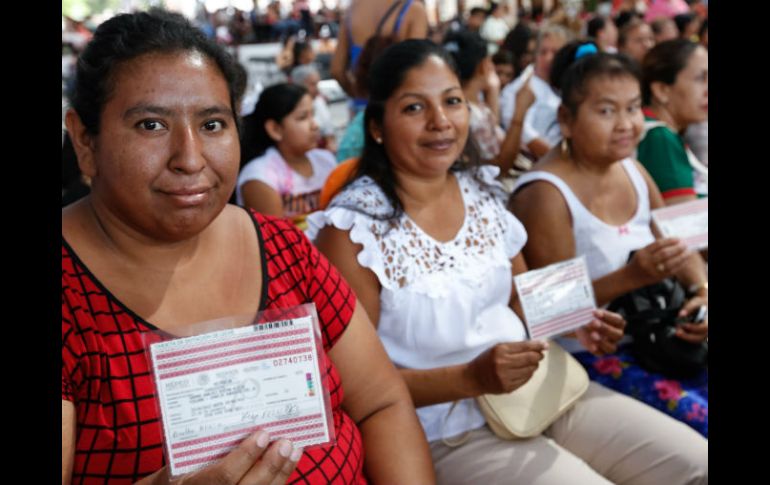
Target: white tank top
{"points": [[605, 247]]}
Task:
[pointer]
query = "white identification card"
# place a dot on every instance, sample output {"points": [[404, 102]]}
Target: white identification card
{"points": [[688, 221], [217, 388], [557, 298]]}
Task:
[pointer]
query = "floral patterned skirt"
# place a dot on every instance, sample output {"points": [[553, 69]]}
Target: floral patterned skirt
{"points": [[686, 400]]}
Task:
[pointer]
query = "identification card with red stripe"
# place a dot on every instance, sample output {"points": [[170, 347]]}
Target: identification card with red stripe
{"points": [[217, 388], [557, 298], [688, 221]]}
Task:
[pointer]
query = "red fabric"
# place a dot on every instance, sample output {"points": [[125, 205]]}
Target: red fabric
{"points": [[678, 192], [105, 373]]}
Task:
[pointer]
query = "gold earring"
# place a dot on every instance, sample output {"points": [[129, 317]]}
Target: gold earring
{"points": [[564, 148], [378, 140]]}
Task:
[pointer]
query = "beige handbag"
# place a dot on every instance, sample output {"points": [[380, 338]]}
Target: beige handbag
{"points": [[556, 385]]}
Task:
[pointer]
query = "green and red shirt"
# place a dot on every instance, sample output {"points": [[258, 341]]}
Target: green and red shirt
{"points": [[669, 161]]}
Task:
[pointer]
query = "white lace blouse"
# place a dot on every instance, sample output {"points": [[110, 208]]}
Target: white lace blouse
{"points": [[442, 303]]}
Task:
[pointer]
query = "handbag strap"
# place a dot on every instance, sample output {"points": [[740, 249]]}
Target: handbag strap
{"points": [[459, 440]]}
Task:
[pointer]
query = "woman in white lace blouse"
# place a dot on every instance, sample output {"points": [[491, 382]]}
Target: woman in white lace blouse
{"points": [[427, 244]]}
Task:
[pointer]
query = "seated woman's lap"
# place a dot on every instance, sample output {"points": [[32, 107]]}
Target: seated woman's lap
{"points": [[629, 442], [485, 458], [605, 436], [684, 400]]}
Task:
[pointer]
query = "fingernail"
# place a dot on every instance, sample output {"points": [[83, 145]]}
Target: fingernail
{"points": [[296, 454], [285, 449], [595, 336], [263, 437]]}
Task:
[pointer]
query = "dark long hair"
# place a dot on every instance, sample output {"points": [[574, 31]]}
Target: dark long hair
{"points": [[386, 75], [275, 103]]}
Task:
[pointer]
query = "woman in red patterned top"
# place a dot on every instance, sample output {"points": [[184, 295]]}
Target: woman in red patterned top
{"points": [[155, 248]]}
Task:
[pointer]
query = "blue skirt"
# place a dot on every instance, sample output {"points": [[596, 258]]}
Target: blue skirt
{"points": [[685, 400]]}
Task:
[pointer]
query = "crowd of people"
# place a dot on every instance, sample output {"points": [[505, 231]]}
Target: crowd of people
{"points": [[477, 149]]}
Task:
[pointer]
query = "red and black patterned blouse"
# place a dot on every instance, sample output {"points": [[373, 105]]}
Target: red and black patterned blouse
{"points": [[105, 373]]}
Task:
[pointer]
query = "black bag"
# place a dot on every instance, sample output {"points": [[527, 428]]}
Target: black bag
{"points": [[651, 313]]}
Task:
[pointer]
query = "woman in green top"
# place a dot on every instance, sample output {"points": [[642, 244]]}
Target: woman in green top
{"points": [[675, 91]]}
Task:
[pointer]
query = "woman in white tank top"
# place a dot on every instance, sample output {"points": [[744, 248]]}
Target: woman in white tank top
{"points": [[587, 197]]}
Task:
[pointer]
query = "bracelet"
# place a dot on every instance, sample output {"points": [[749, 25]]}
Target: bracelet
{"points": [[695, 289]]}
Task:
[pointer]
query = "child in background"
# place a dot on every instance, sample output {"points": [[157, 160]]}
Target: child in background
{"points": [[307, 75], [286, 171], [481, 87]]}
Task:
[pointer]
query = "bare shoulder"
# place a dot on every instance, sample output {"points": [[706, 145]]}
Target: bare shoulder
{"points": [[541, 197], [416, 21], [418, 12], [336, 244], [537, 199], [338, 248], [656, 199], [234, 225], [342, 252], [644, 172], [543, 210], [235, 217]]}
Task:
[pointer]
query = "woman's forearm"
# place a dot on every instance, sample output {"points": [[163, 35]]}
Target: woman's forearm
{"points": [[509, 149], [443, 384], [622, 281], [613, 285], [492, 99], [694, 272]]}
